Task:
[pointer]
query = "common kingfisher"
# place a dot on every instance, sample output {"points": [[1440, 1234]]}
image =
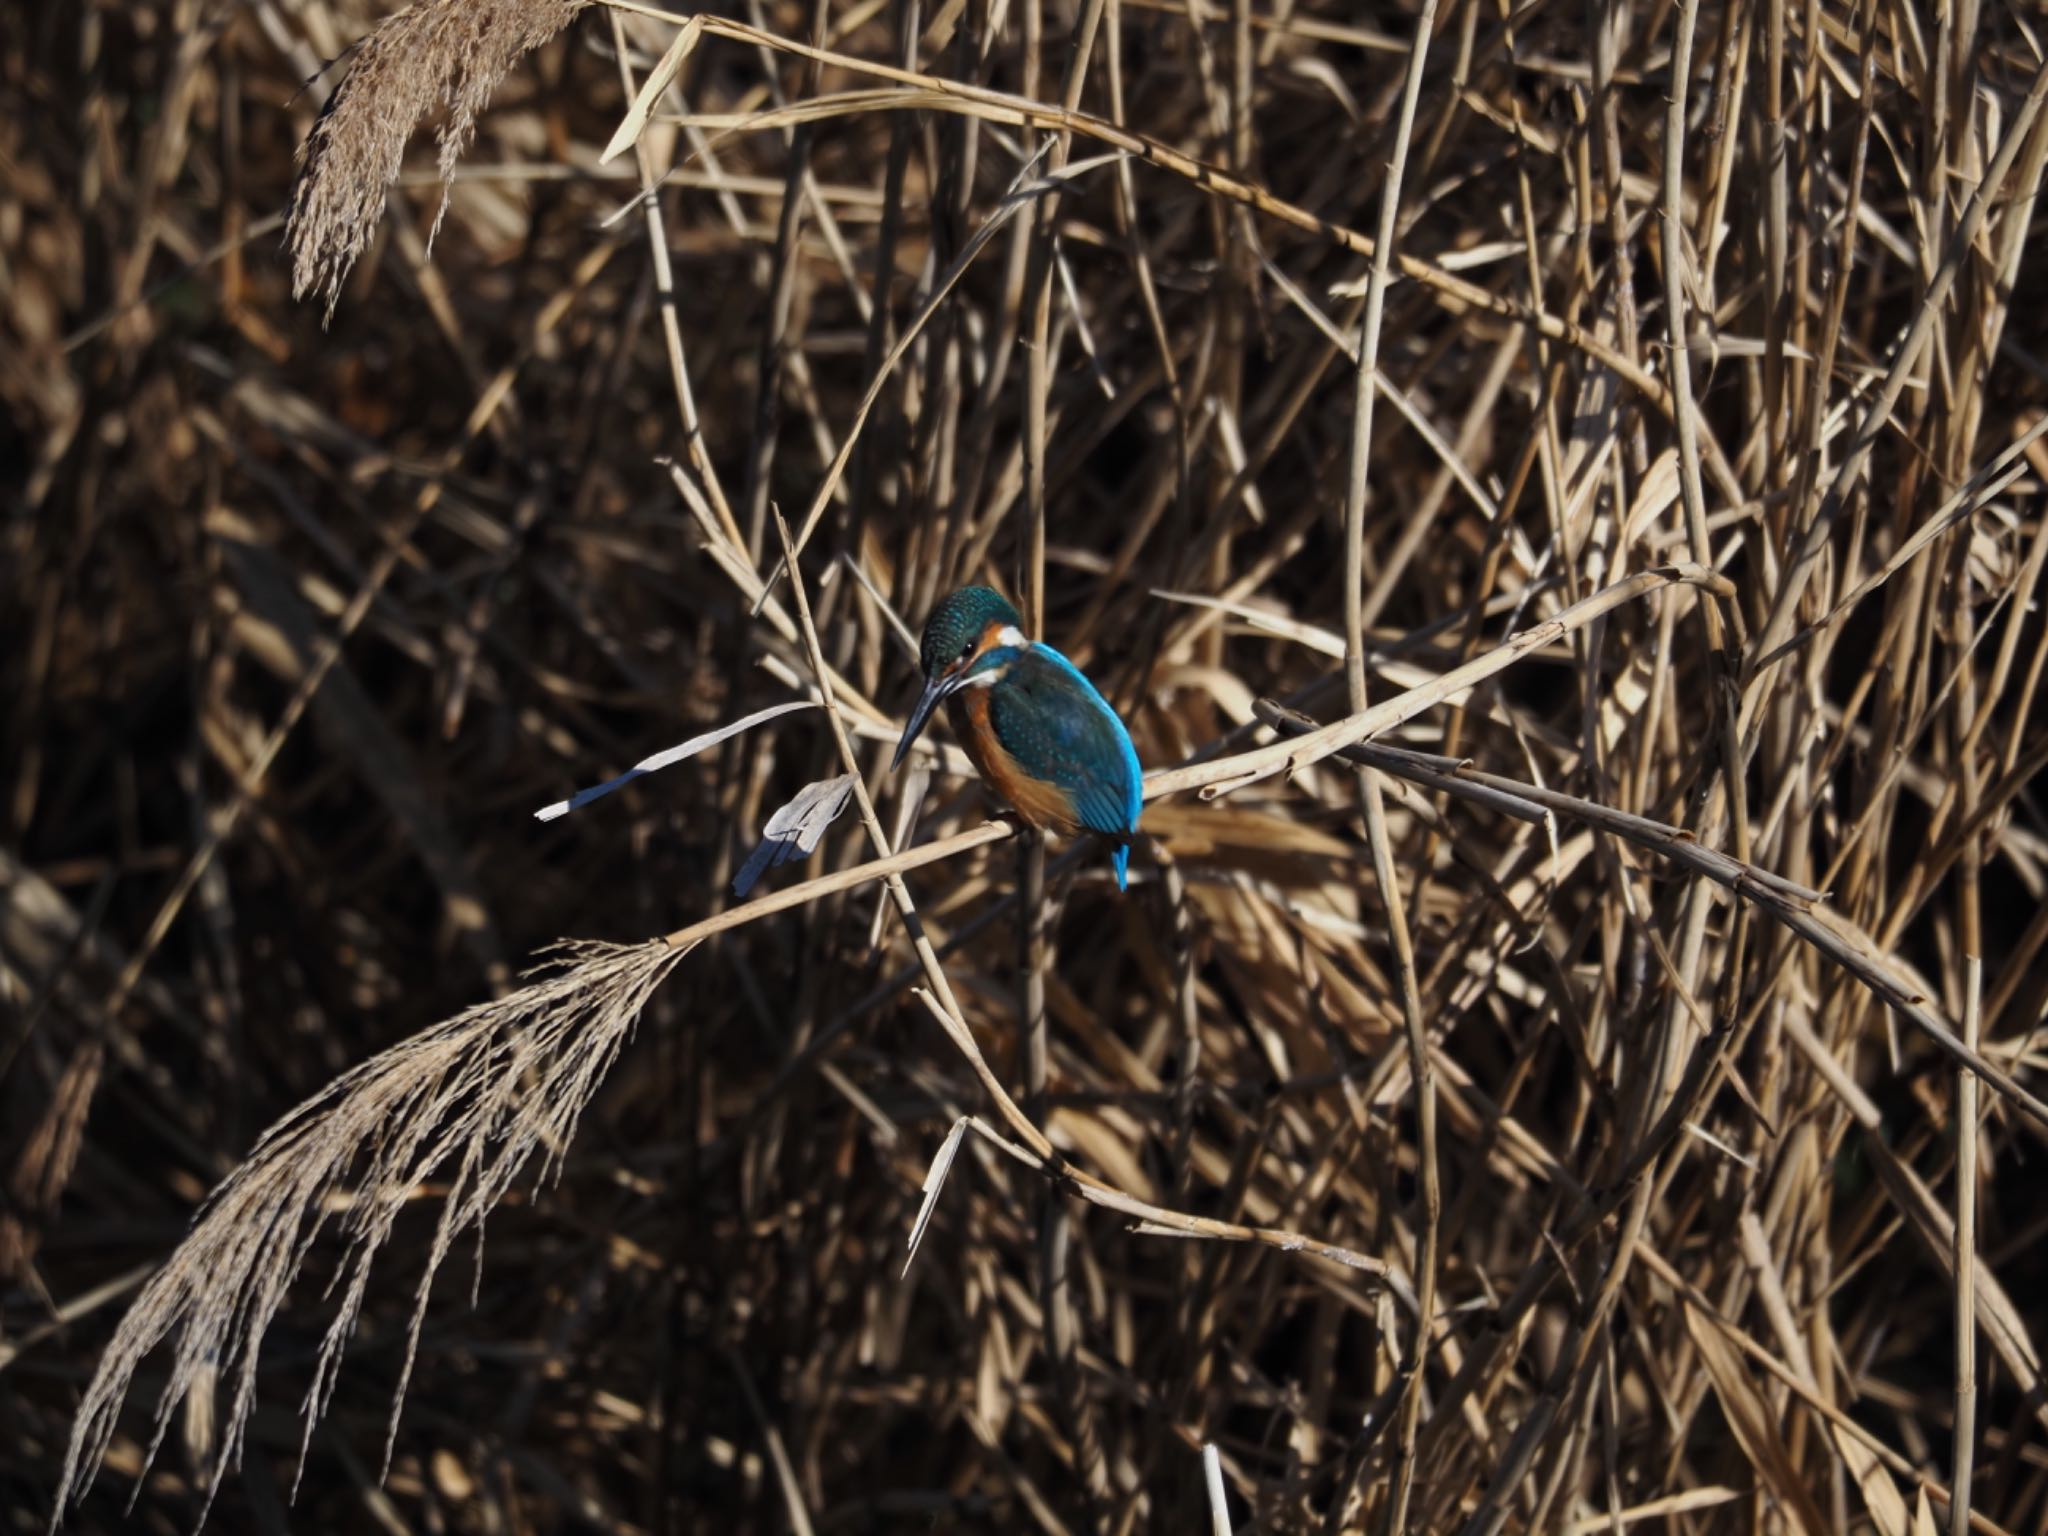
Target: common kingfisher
{"points": [[1042, 738]]}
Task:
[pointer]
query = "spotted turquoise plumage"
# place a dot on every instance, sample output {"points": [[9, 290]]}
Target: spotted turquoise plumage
{"points": [[1041, 736], [1050, 718]]}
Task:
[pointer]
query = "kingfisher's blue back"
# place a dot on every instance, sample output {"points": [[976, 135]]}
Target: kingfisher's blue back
{"points": [[1060, 733], [1041, 735]]}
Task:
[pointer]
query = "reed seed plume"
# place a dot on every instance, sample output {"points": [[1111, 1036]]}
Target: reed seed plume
{"points": [[468, 1101], [446, 54]]}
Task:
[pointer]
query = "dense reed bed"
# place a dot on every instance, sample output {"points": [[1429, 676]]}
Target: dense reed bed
{"points": [[1556, 491]]}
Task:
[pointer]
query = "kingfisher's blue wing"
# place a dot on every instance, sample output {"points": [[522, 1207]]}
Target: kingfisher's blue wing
{"points": [[1059, 729]]}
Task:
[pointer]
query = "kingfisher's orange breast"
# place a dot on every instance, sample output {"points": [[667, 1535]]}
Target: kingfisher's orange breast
{"points": [[1039, 803]]}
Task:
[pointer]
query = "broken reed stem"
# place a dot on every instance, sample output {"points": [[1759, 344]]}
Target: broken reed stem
{"points": [[1038, 1152], [952, 95], [1965, 1456], [1379, 840], [687, 416], [898, 891], [1801, 910]]}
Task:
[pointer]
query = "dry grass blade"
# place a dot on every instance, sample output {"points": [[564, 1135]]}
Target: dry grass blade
{"points": [[1212, 1484], [668, 757], [934, 1182], [433, 55], [1750, 1416], [658, 80], [470, 1102]]}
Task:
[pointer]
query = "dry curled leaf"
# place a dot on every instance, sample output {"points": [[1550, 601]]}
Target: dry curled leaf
{"points": [[793, 831]]}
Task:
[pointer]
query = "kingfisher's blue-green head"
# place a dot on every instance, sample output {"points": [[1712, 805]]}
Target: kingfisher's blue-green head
{"points": [[966, 626], [965, 623]]}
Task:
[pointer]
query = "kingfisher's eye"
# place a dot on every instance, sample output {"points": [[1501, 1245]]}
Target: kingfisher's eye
{"points": [[967, 650]]}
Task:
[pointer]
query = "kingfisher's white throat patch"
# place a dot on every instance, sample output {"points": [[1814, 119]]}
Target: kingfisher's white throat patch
{"points": [[1005, 637]]}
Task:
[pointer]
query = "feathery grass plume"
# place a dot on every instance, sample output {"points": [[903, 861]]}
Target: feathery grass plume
{"points": [[470, 1099], [437, 53]]}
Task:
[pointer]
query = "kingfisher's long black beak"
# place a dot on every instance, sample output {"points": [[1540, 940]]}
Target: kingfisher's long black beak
{"points": [[934, 691]]}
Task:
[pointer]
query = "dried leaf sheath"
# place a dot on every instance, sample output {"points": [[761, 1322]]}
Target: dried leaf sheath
{"points": [[438, 54]]}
